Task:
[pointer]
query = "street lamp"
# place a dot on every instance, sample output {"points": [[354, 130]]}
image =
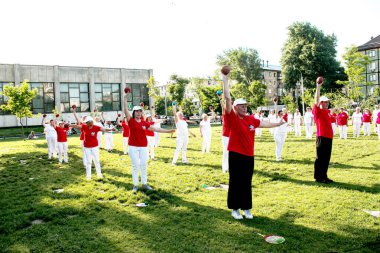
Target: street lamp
{"points": [[302, 92]]}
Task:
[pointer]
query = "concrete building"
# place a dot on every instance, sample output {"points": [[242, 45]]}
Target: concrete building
{"points": [[89, 88], [271, 76], [372, 49]]}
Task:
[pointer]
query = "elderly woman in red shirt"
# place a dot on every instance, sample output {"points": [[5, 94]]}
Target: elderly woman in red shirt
{"points": [[241, 153]]}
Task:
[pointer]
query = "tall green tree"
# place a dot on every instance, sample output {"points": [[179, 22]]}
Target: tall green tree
{"points": [[245, 64], [159, 104], [208, 97], [153, 91], [309, 51], [19, 101], [356, 64], [254, 93], [177, 88]]}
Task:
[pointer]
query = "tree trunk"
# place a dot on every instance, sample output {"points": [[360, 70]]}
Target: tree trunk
{"points": [[22, 129]]}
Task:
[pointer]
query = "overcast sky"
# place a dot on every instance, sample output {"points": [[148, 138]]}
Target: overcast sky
{"points": [[169, 36]]}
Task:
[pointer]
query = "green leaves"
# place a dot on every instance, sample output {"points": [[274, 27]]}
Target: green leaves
{"points": [[310, 52], [244, 63], [19, 99]]}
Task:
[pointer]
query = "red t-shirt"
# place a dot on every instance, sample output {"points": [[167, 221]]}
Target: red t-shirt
{"points": [[333, 117], [323, 122], [285, 117], [147, 132], [81, 133], [137, 136], [367, 117], [61, 133], [226, 127], [342, 119], [378, 118], [90, 136], [125, 129], [242, 133]]}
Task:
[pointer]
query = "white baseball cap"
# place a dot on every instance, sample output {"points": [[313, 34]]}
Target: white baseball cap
{"points": [[136, 108], [88, 119], [323, 99], [240, 101]]}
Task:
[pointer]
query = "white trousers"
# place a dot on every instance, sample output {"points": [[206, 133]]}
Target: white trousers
{"points": [[342, 132], [375, 126], [62, 152], [156, 139], [181, 144], [100, 139], [151, 144], [52, 146], [357, 129], [92, 153], [108, 141], [83, 155], [206, 141], [309, 130], [280, 140], [225, 154], [139, 159], [125, 145], [333, 125], [366, 128], [297, 129]]}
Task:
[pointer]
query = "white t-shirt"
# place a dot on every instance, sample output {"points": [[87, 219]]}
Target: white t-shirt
{"points": [[206, 126], [182, 129], [280, 129], [297, 118], [357, 117], [308, 117], [110, 126], [50, 131], [272, 118]]}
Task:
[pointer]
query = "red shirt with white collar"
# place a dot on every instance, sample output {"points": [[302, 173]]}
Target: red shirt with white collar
{"points": [[125, 129], [342, 119], [90, 136], [242, 133], [333, 117], [367, 117], [137, 136], [61, 133], [323, 122]]}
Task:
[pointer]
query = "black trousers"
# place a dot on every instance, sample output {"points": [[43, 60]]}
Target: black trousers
{"points": [[240, 185], [321, 164]]}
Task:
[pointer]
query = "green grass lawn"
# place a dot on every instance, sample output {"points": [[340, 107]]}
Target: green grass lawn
{"points": [[182, 216]]}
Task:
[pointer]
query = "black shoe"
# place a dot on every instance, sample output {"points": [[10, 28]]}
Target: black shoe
{"points": [[324, 181]]}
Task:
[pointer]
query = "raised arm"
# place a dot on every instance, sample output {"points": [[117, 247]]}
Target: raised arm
{"points": [[222, 104], [126, 112], [76, 116], [118, 121], [227, 97], [175, 112], [318, 91], [43, 119]]}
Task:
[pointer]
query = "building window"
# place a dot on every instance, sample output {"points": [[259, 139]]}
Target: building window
{"points": [[107, 96], [372, 66], [372, 77], [74, 94], [372, 53], [139, 94], [44, 101], [3, 99]]}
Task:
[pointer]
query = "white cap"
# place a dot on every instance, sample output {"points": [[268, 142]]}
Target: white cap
{"points": [[240, 101], [148, 115], [136, 108], [323, 99], [88, 119]]}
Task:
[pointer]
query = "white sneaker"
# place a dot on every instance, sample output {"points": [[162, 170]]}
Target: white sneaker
{"points": [[100, 176], [247, 214], [236, 214]]}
